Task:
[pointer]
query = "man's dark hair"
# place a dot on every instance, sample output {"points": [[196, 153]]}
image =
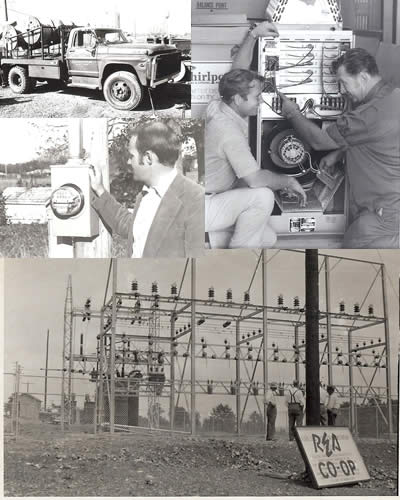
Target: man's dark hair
{"points": [[355, 61], [161, 139], [237, 82]]}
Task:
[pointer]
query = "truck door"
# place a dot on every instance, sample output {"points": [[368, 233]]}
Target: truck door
{"points": [[82, 59]]}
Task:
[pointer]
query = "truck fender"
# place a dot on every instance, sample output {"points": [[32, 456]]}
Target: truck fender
{"points": [[116, 66]]}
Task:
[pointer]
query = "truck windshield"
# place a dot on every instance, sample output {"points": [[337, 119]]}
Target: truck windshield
{"points": [[110, 36]]}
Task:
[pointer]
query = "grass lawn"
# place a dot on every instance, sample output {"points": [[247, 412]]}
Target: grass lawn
{"points": [[31, 240]]}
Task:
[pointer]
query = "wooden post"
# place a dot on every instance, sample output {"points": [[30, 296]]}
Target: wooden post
{"points": [[95, 143], [312, 338]]}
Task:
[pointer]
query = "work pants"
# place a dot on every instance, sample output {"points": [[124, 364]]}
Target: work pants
{"points": [[322, 415], [374, 230], [271, 419], [294, 420], [331, 417], [239, 218]]}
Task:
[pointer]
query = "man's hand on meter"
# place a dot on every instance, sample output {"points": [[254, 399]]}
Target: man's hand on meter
{"points": [[289, 108], [294, 187], [96, 180], [266, 28]]}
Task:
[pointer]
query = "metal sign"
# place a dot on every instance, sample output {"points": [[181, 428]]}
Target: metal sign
{"points": [[331, 456], [205, 80]]}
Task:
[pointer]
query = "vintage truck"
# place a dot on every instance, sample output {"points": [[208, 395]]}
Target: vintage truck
{"points": [[92, 58]]}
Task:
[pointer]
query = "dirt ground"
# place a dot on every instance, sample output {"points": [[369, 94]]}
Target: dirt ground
{"points": [[71, 102], [43, 463]]}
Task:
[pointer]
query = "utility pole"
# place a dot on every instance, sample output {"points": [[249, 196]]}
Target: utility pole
{"points": [[5, 11], [312, 338], [193, 351], [46, 371]]}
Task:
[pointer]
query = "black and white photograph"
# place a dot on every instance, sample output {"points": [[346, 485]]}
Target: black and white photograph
{"points": [[200, 248], [94, 58], [302, 107], [101, 188], [202, 377]]}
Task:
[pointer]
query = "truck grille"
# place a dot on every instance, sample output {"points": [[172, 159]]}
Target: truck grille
{"points": [[168, 64]]}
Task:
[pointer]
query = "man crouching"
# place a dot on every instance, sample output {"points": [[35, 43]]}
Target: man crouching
{"points": [[239, 195]]}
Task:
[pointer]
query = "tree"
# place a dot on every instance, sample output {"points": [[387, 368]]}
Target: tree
{"points": [[3, 214], [255, 422], [224, 418]]}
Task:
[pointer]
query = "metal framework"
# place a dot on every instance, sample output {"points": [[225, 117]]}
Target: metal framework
{"points": [[148, 341], [67, 358]]}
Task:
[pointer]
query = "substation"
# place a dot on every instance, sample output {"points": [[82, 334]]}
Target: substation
{"points": [[154, 346]]}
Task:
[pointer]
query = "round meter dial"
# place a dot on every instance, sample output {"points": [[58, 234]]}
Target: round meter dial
{"points": [[67, 201]]}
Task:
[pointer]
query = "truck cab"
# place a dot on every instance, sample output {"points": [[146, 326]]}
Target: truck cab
{"points": [[103, 58]]}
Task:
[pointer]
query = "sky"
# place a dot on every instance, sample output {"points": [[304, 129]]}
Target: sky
{"points": [[134, 14], [35, 294]]}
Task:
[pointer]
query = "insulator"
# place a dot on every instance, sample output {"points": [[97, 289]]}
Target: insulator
{"points": [[247, 297], [337, 349], [276, 349], [214, 356], [87, 303], [229, 295], [154, 287], [226, 324], [211, 293], [174, 289], [296, 302], [134, 286], [200, 321], [204, 354], [273, 345], [364, 343], [202, 340], [243, 337], [227, 355], [280, 300], [322, 336], [342, 306], [284, 360], [254, 332], [371, 310], [294, 346], [248, 335], [250, 348], [372, 341], [249, 357], [276, 358], [356, 308], [379, 340]]}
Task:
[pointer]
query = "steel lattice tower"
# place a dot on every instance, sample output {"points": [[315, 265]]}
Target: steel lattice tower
{"points": [[67, 361]]}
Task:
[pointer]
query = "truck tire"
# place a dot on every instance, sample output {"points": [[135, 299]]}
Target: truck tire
{"points": [[19, 81], [123, 91]]}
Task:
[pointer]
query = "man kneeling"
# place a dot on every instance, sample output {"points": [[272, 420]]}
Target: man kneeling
{"points": [[239, 195]]}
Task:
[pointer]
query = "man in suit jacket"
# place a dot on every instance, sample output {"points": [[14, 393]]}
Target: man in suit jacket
{"points": [[168, 217]]}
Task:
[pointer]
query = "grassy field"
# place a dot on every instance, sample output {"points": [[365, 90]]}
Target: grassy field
{"points": [[31, 240]]}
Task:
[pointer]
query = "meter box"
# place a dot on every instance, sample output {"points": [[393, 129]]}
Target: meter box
{"points": [[73, 215]]}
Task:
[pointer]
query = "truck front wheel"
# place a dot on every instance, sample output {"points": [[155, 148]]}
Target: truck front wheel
{"points": [[19, 81], [123, 91]]}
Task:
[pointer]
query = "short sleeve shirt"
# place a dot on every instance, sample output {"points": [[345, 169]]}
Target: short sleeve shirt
{"points": [[371, 136], [227, 152]]}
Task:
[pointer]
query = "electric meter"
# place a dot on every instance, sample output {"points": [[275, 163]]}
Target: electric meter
{"points": [[67, 201], [70, 201]]}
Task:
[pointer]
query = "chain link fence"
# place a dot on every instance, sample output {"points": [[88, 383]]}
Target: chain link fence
{"points": [[26, 405]]}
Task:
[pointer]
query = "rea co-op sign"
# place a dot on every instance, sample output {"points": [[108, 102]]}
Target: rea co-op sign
{"points": [[331, 455]]}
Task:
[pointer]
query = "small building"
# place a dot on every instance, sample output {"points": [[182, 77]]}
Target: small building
{"points": [[27, 206], [28, 406]]}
